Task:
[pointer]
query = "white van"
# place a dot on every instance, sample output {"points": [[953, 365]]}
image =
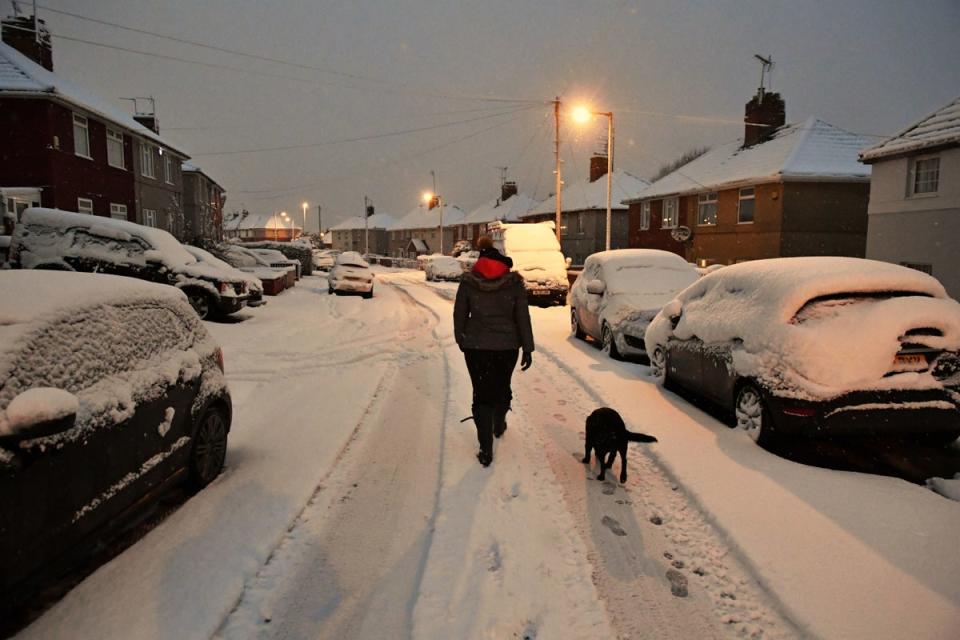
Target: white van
{"points": [[536, 256]]}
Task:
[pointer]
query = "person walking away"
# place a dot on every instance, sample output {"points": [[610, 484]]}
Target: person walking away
{"points": [[491, 324]]}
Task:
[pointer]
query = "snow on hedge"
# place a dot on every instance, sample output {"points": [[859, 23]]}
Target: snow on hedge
{"points": [[848, 340]]}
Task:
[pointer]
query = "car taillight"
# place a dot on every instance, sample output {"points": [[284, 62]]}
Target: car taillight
{"points": [[218, 354], [800, 412]]}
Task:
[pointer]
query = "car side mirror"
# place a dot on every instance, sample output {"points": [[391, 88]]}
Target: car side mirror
{"points": [[596, 287], [38, 412]]}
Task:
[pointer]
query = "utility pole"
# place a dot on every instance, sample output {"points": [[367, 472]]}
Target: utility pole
{"points": [[556, 152], [609, 173], [366, 231], [319, 223]]}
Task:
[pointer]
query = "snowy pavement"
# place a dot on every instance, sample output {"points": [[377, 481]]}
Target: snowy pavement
{"points": [[353, 506]]}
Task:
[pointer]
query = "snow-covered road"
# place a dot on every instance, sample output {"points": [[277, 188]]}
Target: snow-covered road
{"points": [[352, 506]]}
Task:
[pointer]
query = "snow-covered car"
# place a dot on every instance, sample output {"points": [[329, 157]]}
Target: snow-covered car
{"points": [[444, 268], [65, 241], [279, 261], [536, 256], [324, 259], [424, 259], [815, 346], [111, 390], [351, 274], [619, 292], [468, 259], [254, 285], [273, 280]]}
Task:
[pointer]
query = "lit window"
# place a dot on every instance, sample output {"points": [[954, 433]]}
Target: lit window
{"points": [[669, 214], [926, 175], [645, 216], [81, 136], [147, 166], [118, 211], [707, 209], [115, 149], [84, 205], [150, 217], [746, 208]]}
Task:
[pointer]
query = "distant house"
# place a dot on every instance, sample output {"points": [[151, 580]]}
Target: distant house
{"points": [[583, 227], [355, 234], [62, 146], [780, 191], [203, 202], [418, 232], [256, 227], [508, 208], [914, 213]]}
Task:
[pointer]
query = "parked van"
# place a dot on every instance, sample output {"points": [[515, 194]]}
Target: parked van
{"points": [[536, 256]]}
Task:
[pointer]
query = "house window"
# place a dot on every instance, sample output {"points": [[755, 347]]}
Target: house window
{"points": [[168, 169], [580, 223], [81, 136], [115, 149], [645, 216], [746, 208], [707, 209], [147, 167], [669, 214], [150, 217], [118, 211], [926, 175], [84, 205]]}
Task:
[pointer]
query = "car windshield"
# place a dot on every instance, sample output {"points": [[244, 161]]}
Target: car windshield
{"points": [[833, 305], [642, 279]]}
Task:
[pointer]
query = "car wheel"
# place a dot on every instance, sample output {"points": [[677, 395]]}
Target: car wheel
{"points": [[575, 326], [209, 447], [752, 415], [609, 343], [200, 302]]}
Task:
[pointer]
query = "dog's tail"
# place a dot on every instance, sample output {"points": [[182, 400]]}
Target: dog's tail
{"points": [[640, 437]]}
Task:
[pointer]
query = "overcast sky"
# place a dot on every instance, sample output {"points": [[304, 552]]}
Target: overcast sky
{"points": [[473, 79]]}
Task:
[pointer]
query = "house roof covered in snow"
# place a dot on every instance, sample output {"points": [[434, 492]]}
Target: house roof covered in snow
{"points": [[939, 129], [246, 220], [19, 75], [585, 195], [508, 210], [422, 218], [812, 150], [376, 221]]}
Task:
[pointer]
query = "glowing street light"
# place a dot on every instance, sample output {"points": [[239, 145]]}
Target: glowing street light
{"points": [[582, 115], [304, 205]]}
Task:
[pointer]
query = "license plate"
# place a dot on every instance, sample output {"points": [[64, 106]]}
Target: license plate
{"points": [[910, 359], [541, 292]]}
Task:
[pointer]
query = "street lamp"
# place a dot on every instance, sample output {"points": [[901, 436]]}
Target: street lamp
{"points": [[582, 115], [304, 205], [428, 197]]}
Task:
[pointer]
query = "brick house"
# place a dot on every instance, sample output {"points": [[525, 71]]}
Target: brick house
{"points": [[508, 208], [63, 147], [349, 234], [780, 191], [914, 213], [583, 227], [257, 227], [418, 232], [203, 202]]}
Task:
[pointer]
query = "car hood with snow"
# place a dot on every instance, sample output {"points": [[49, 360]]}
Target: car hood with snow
{"points": [[817, 327]]}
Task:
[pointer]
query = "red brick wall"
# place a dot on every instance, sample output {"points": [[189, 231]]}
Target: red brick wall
{"points": [[655, 237]]}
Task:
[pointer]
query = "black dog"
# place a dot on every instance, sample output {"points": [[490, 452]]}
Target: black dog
{"points": [[608, 435]]}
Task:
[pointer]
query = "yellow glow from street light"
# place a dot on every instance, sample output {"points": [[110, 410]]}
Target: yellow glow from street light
{"points": [[304, 205], [427, 197], [581, 114]]}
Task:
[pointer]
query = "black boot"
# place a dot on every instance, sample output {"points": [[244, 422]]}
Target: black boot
{"points": [[500, 419], [483, 417]]}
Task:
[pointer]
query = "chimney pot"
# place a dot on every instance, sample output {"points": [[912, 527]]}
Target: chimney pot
{"points": [[767, 110], [18, 32], [507, 189], [598, 167]]}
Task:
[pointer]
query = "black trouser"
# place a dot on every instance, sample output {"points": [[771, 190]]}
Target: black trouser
{"points": [[490, 372]]}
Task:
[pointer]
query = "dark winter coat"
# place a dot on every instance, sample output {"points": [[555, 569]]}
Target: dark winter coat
{"points": [[492, 313]]}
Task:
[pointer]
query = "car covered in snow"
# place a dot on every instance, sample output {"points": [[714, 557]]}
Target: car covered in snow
{"points": [[273, 280], [468, 259], [254, 285], [324, 259], [277, 260], [111, 391], [351, 274], [619, 292], [444, 268], [817, 346], [536, 256], [65, 241]]}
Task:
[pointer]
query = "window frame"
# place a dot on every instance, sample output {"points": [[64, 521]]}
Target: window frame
{"points": [[82, 209], [85, 127], [705, 200], [914, 176], [645, 215], [675, 218], [150, 218], [115, 210], [112, 139], [168, 168], [147, 159], [740, 199]]}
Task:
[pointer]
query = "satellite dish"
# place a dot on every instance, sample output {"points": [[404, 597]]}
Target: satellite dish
{"points": [[681, 234]]}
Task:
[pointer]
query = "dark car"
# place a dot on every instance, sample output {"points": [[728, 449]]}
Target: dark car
{"points": [[817, 346], [111, 391], [65, 241]]}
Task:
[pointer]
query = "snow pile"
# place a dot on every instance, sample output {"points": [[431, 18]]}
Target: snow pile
{"points": [[949, 488], [41, 404], [831, 346], [444, 267]]}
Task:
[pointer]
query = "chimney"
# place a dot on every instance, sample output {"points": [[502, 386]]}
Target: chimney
{"points": [[149, 120], [598, 167], [19, 33], [507, 189], [763, 109]]}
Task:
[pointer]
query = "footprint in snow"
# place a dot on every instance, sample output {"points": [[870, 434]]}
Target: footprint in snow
{"points": [[493, 557], [613, 525], [608, 489], [560, 417]]}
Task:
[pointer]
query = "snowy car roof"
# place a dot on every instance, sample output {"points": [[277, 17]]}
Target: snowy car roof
{"points": [[651, 257], [352, 258], [940, 128]]}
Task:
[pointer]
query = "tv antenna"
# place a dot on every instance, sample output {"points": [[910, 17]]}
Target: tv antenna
{"points": [[766, 67], [503, 174]]}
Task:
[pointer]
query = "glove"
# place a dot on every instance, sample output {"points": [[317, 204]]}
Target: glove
{"points": [[526, 360]]}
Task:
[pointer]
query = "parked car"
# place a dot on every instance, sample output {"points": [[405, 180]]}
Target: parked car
{"points": [[254, 286], [279, 261], [112, 391], [444, 268], [619, 292], [65, 241], [351, 273], [536, 256], [816, 346], [468, 259], [324, 259], [273, 280], [460, 247]]}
